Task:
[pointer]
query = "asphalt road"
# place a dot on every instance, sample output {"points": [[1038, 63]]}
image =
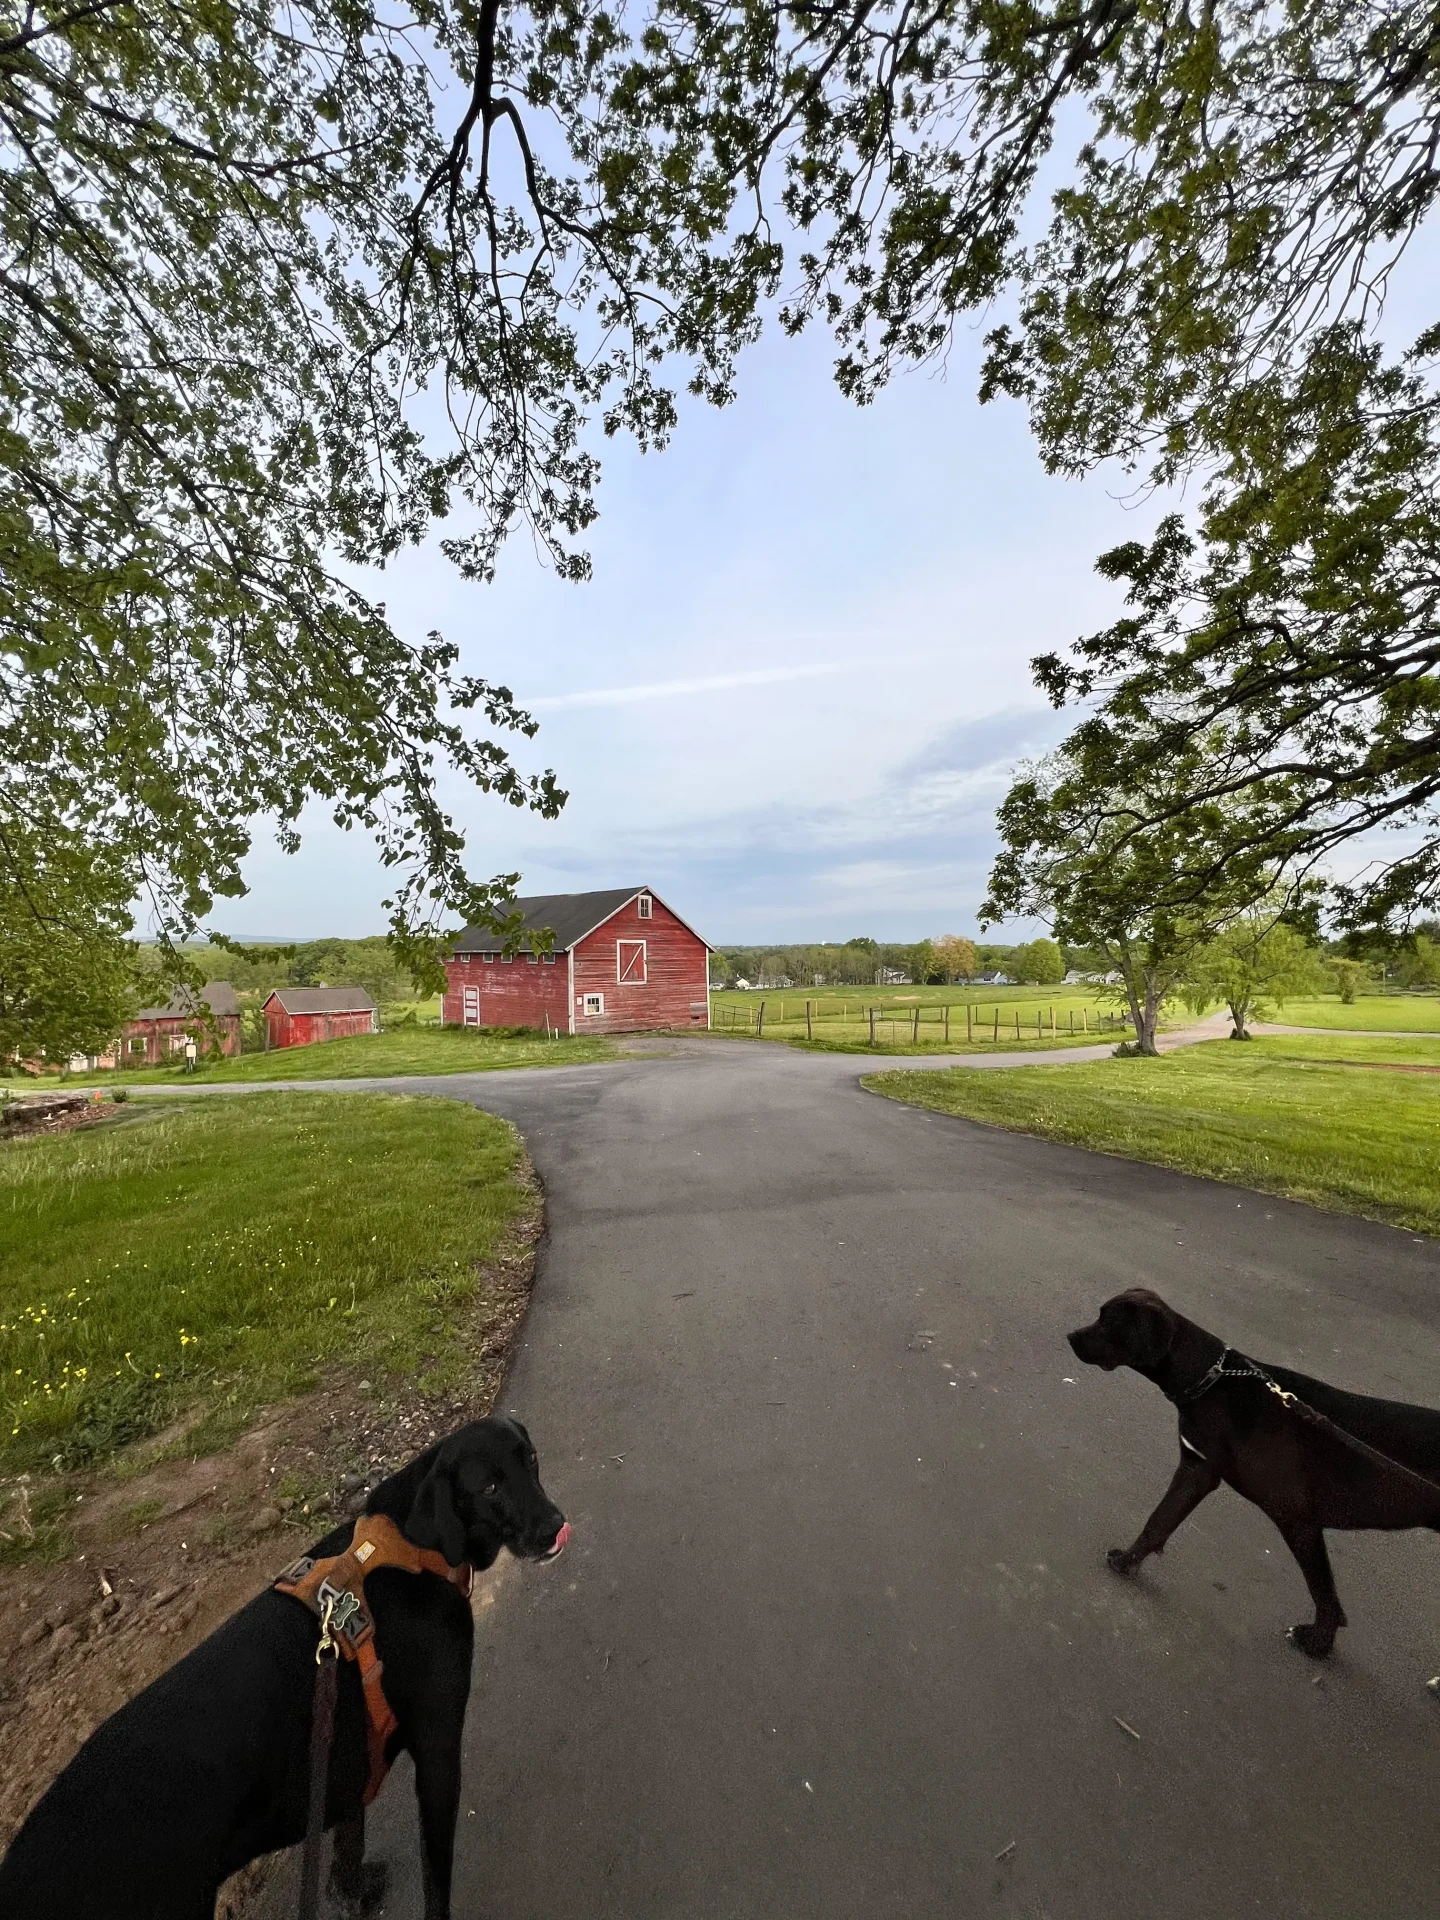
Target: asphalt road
{"points": [[835, 1637]]}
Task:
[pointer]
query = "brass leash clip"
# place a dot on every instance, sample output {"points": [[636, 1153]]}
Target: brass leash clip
{"points": [[327, 1642]]}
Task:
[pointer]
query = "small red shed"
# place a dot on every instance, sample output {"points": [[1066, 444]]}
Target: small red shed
{"points": [[154, 1034], [299, 1016], [622, 961]]}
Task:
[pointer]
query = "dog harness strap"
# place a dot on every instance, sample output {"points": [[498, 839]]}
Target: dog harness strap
{"points": [[338, 1582], [380, 1721]]}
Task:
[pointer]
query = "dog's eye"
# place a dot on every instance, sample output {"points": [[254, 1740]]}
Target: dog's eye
{"points": [[492, 1487]]}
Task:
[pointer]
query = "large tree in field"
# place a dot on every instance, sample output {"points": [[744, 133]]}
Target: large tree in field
{"points": [[1078, 855]]}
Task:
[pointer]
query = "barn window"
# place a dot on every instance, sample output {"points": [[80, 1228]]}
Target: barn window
{"points": [[488, 958], [533, 958], [137, 1046], [548, 958], [642, 906], [594, 1003], [630, 962], [506, 959]]}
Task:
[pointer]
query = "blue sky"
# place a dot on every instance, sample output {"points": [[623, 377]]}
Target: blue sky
{"points": [[791, 696]]}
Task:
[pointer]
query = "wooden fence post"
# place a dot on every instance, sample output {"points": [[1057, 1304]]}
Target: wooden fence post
{"points": [[1052, 1023], [969, 1027], [809, 1028], [947, 1026], [1039, 1024], [1017, 1023], [872, 1026], [760, 1024], [996, 1034], [915, 1030], [1084, 1020]]}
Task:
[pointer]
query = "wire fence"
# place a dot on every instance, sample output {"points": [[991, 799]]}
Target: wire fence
{"points": [[916, 1023]]}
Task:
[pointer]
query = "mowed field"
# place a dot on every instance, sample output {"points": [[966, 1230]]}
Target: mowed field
{"points": [[949, 1017], [1342, 1121], [1374, 1013]]}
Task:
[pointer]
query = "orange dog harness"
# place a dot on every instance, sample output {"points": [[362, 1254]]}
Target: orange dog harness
{"points": [[334, 1590]]}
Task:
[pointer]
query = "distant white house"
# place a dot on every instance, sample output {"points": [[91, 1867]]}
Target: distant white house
{"points": [[1076, 979], [993, 980], [891, 977]]}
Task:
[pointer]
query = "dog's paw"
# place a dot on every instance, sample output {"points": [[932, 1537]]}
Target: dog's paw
{"points": [[1316, 1641], [1120, 1560]]}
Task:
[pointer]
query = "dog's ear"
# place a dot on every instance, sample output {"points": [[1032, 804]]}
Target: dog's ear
{"points": [[1151, 1329], [433, 1520]]}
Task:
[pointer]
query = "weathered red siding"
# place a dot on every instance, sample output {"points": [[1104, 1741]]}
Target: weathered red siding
{"points": [[158, 1036], [521, 992], [305, 1029], [675, 992]]}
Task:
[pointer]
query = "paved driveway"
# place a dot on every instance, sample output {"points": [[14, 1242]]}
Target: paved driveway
{"points": [[835, 1629]]}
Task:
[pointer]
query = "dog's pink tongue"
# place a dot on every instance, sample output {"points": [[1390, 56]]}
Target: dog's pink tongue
{"points": [[561, 1540]]}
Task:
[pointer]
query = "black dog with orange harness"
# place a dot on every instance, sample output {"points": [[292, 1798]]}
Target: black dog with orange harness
{"points": [[209, 1767]]}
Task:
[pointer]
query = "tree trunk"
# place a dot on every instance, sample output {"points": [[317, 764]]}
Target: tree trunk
{"points": [[1147, 1023], [1144, 1011], [1239, 1009]]}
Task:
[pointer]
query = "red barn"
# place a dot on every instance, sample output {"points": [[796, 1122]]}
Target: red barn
{"points": [[299, 1016], [622, 962], [154, 1034]]}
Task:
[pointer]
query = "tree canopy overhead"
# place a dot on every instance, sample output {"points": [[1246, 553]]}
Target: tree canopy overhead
{"points": [[281, 289]]}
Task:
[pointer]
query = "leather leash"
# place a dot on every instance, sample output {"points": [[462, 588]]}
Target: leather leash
{"points": [[322, 1734]]}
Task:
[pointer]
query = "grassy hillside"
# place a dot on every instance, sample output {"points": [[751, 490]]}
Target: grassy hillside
{"points": [[214, 1254], [1337, 1122]]}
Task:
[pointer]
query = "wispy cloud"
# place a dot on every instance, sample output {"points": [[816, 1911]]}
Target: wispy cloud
{"points": [[994, 740], [721, 682]]}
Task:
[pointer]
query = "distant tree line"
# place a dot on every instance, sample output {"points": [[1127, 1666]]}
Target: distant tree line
{"points": [[369, 963], [948, 959]]}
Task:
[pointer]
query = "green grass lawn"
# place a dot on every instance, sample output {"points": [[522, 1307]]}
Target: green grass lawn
{"points": [[1273, 1114], [213, 1255], [1380, 1013], [404, 1050]]}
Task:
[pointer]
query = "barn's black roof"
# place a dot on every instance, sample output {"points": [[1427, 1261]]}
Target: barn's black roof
{"points": [[218, 996], [569, 916], [322, 999]]}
